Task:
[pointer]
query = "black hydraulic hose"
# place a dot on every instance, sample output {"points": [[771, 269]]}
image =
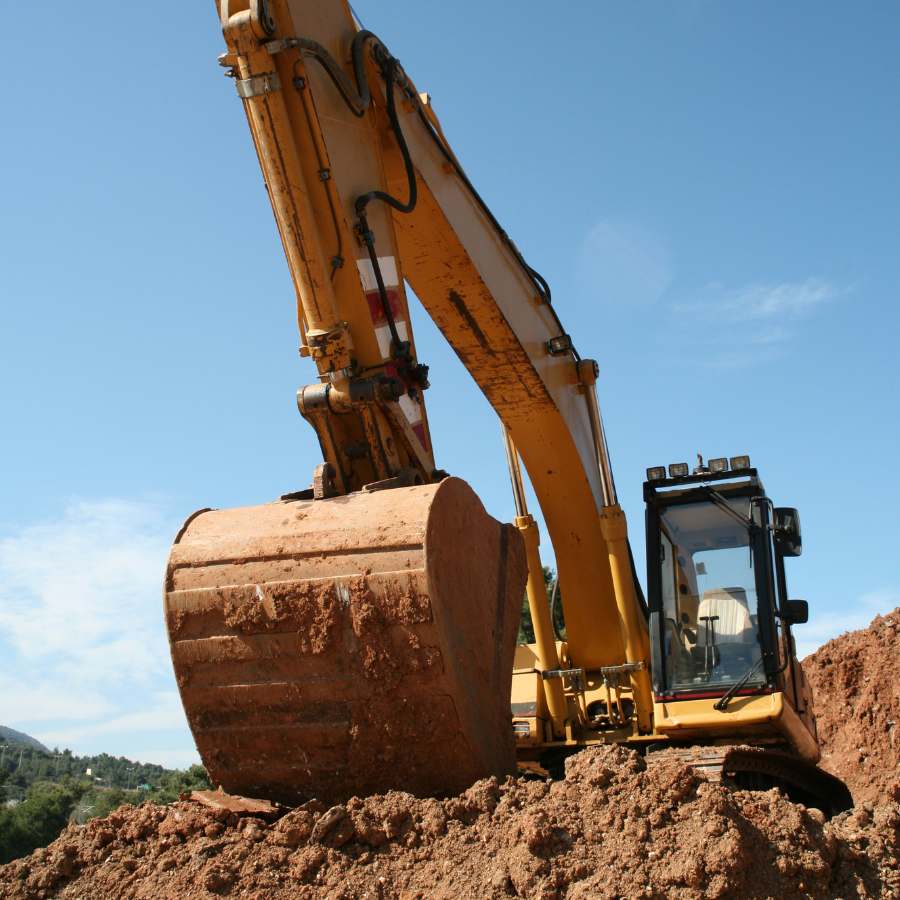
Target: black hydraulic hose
{"points": [[390, 74], [358, 98], [391, 65], [535, 276], [369, 241]]}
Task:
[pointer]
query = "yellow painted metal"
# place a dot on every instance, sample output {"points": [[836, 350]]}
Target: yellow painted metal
{"points": [[637, 645], [764, 715], [685, 717], [462, 274], [317, 157], [547, 659], [615, 532], [461, 268]]}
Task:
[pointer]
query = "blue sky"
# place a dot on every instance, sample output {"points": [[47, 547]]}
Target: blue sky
{"points": [[712, 190]]}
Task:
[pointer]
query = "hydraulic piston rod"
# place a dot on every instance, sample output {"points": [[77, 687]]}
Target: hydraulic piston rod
{"points": [[615, 533], [548, 658]]}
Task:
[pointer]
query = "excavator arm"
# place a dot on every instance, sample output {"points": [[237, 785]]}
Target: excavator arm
{"points": [[360, 635]]}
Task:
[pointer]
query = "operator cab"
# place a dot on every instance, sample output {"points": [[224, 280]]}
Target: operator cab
{"points": [[719, 614]]}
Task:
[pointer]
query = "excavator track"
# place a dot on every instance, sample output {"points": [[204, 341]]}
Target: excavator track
{"points": [[352, 645], [762, 768]]}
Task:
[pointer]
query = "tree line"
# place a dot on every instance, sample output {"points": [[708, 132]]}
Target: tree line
{"points": [[40, 793]]}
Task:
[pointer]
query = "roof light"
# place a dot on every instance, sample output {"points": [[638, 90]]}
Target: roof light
{"points": [[740, 462], [656, 473], [719, 464], [678, 470]]}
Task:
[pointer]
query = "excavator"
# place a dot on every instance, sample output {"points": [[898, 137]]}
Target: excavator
{"points": [[360, 635]]}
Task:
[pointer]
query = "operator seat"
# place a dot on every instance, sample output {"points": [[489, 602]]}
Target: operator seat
{"points": [[733, 625]]}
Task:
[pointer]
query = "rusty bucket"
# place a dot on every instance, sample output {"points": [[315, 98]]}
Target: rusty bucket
{"points": [[325, 648]]}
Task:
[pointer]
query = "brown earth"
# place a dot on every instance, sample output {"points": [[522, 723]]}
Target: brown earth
{"points": [[611, 828], [856, 684]]}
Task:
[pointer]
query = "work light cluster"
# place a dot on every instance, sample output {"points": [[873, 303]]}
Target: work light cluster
{"points": [[715, 466]]}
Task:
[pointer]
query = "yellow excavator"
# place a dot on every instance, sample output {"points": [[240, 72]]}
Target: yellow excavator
{"points": [[360, 635]]}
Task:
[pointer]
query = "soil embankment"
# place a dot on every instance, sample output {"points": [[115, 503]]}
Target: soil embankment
{"points": [[611, 828], [856, 683]]}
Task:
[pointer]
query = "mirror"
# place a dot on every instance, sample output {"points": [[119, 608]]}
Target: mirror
{"points": [[796, 612], [787, 531]]}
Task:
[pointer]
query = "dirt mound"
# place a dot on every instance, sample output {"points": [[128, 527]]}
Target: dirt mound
{"points": [[856, 684], [612, 828]]}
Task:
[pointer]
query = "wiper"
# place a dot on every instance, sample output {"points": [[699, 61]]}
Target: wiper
{"points": [[722, 704], [725, 506]]}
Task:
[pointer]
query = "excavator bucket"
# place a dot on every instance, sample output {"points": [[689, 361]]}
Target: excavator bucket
{"points": [[325, 648]]}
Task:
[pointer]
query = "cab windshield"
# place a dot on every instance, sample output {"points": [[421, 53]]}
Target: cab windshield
{"points": [[709, 598]]}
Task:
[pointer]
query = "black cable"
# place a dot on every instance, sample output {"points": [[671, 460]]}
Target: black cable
{"points": [[390, 73], [391, 65], [369, 241], [360, 99]]}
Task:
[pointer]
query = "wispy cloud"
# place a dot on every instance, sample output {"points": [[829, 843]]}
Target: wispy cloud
{"points": [[159, 711], [86, 659], [626, 266], [750, 325], [762, 302]]}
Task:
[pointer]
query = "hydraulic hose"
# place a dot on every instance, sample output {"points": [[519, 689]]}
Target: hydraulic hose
{"points": [[358, 98]]}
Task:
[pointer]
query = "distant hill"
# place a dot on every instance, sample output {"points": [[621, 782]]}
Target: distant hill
{"points": [[18, 737]]}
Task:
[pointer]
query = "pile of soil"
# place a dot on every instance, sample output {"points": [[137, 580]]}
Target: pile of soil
{"points": [[613, 827], [856, 684]]}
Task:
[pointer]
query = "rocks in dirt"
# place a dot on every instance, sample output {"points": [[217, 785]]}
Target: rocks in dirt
{"points": [[856, 684], [613, 827]]}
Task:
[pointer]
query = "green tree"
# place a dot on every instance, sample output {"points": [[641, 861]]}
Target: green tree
{"points": [[37, 820], [174, 783], [526, 629], [54, 787]]}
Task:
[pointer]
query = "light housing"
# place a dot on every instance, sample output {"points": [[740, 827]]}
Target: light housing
{"points": [[559, 345], [656, 473], [678, 470], [740, 462], [719, 464]]}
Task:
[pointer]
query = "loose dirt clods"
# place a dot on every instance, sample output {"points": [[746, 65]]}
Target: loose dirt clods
{"points": [[856, 681], [611, 828]]}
